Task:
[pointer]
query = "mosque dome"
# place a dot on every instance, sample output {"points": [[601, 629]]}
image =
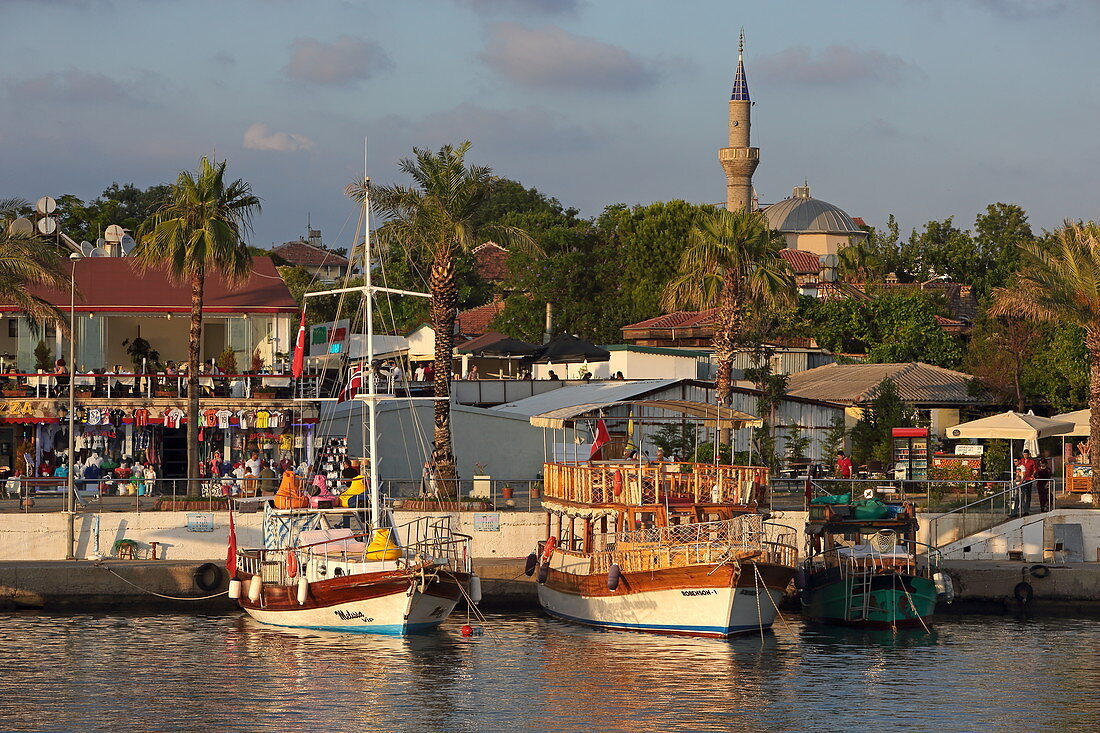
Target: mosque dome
{"points": [[803, 214]]}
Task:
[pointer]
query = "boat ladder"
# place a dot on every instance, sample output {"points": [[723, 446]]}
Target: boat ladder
{"points": [[856, 609]]}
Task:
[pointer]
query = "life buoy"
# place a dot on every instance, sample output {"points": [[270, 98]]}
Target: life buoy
{"points": [[1023, 593], [208, 576], [291, 564], [617, 483], [548, 549]]}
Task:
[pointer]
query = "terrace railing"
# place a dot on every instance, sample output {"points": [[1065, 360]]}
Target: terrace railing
{"points": [[642, 484]]}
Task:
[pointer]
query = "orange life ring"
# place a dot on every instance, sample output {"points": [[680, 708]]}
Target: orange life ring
{"points": [[617, 483], [291, 564]]}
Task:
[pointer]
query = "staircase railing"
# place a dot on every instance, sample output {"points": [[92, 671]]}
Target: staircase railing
{"points": [[969, 519]]}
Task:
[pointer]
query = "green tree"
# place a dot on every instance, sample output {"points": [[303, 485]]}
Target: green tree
{"points": [[438, 215], [872, 435], [859, 263], [26, 263], [649, 242], [198, 228], [998, 234], [1060, 283], [941, 250], [125, 205], [833, 439], [732, 263]]}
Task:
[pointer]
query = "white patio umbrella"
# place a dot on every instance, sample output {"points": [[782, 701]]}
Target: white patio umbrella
{"points": [[1011, 426], [1080, 420]]}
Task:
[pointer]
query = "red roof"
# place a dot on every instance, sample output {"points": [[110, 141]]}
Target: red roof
{"points": [[491, 261], [304, 253], [859, 221], [475, 321], [117, 284], [801, 261], [679, 319]]}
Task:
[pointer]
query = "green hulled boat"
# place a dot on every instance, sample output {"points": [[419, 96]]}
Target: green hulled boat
{"points": [[865, 568]]}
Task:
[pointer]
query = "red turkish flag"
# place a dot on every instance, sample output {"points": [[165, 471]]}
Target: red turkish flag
{"points": [[231, 554], [602, 439], [300, 348]]}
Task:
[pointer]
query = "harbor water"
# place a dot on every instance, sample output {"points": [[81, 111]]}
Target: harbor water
{"points": [[531, 673]]}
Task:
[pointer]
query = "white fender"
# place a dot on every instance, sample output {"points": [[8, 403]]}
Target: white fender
{"points": [[303, 589], [234, 589], [254, 587], [475, 589]]}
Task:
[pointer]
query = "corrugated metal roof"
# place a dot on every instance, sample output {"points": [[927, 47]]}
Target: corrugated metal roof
{"points": [[917, 383], [582, 394], [678, 319]]}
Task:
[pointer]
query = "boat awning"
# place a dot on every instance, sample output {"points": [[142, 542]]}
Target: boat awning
{"points": [[701, 412]]}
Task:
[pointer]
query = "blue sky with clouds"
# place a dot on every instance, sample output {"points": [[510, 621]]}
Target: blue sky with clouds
{"points": [[922, 108]]}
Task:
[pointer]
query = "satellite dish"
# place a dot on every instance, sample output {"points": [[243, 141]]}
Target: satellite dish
{"points": [[829, 260], [114, 234], [101, 242], [99, 252], [128, 243], [47, 225], [21, 227], [86, 248], [45, 205]]}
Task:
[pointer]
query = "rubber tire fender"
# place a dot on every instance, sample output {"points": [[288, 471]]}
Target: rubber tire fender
{"points": [[530, 565], [1023, 593], [208, 576], [1039, 571]]}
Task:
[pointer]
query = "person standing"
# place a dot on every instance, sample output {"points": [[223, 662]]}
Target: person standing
{"points": [[843, 465], [1044, 484], [1025, 470]]}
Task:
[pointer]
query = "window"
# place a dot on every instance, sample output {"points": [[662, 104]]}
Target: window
{"points": [[13, 328]]}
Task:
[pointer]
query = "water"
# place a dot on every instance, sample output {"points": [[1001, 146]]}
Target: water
{"points": [[228, 673]]}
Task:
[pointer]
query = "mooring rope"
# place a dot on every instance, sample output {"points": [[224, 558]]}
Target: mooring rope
{"points": [[99, 564]]}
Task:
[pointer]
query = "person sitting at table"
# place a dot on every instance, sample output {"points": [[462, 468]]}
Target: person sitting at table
{"points": [[61, 377], [268, 478]]}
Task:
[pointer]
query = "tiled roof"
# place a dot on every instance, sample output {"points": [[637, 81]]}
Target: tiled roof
{"points": [[801, 261], [679, 319], [917, 384], [841, 291], [491, 261], [475, 322], [859, 221], [304, 253], [485, 339]]}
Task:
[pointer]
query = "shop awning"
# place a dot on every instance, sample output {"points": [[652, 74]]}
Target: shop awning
{"points": [[699, 412]]}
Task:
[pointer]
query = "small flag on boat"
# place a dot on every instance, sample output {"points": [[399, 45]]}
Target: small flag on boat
{"points": [[300, 348], [602, 439], [231, 554], [354, 385]]}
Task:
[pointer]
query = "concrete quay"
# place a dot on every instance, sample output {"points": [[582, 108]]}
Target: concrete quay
{"points": [[1040, 589], [119, 586]]}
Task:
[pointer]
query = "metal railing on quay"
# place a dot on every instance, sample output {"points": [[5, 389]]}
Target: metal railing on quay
{"points": [[500, 494], [112, 494], [976, 516], [111, 385]]}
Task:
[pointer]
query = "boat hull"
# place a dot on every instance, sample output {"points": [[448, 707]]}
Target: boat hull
{"points": [[711, 601], [895, 600], [367, 603]]}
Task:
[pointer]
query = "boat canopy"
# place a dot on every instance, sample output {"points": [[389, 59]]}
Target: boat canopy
{"points": [[702, 412]]}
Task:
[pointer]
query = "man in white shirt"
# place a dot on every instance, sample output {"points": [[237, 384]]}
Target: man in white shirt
{"points": [[253, 464]]}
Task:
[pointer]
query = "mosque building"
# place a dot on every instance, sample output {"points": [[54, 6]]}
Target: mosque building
{"points": [[807, 224]]}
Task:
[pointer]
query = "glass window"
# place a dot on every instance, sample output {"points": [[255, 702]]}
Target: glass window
{"points": [[13, 328]]}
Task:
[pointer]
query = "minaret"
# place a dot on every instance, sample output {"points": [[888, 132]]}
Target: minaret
{"points": [[739, 160]]}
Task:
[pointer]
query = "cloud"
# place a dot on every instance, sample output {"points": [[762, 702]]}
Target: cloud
{"points": [[223, 60], [833, 65], [344, 61], [76, 87], [551, 57], [260, 137], [531, 130], [540, 7]]}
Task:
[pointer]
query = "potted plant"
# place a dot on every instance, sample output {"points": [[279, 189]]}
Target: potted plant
{"points": [[227, 361], [536, 489], [166, 390], [483, 483]]}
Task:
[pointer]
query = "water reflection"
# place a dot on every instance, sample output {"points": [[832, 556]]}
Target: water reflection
{"points": [[229, 673]]}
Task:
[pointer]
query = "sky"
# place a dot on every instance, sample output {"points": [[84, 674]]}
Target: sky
{"points": [[920, 108]]}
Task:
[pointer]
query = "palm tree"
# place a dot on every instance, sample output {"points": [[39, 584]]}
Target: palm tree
{"points": [[858, 263], [27, 261], [1059, 282], [437, 215], [732, 263], [200, 227]]}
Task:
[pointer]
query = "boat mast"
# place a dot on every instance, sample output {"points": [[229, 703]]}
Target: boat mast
{"points": [[372, 407]]}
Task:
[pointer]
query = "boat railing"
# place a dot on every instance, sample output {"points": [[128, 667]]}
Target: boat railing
{"points": [[641, 484], [918, 558], [422, 539], [744, 538]]}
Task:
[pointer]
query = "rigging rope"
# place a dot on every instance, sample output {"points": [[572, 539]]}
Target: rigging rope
{"points": [[99, 564]]}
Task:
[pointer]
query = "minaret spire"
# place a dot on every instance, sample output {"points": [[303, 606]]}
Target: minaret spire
{"points": [[739, 160]]}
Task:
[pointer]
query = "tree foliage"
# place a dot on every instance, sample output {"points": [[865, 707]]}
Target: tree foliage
{"points": [[872, 435]]}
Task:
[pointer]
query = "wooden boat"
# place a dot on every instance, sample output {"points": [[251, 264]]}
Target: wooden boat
{"points": [[325, 571], [866, 568], [673, 548]]}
